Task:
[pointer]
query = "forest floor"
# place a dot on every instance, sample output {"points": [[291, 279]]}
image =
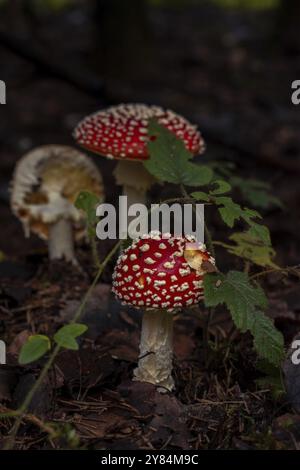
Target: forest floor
{"points": [[224, 71]]}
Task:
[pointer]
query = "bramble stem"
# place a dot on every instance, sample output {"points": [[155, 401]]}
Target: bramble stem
{"points": [[208, 241], [95, 253], [208, 238], [288, 270]]}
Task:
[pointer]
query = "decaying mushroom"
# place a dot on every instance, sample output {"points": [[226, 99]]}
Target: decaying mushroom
{"points": [[45, 185], [160, 274], [121, 132]]}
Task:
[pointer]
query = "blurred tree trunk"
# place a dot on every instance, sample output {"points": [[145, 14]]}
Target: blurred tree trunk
{"points": [[123, 38], [288, 25]]}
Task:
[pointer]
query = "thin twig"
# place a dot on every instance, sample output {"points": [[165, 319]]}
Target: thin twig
{"points": [[95, 253], [288, 270], [31, 418]]}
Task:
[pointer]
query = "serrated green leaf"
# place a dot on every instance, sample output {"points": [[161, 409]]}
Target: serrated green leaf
{"points": [[196, 175], [88, 203], [34, 348], [249, 214], [222, 187], [232, 212], [260, 232], [229, 210], [200, 196], [236, 292], [66, 336], [170, 161], [262, 199], [268, 341], [245, 301], [256, 192], [252, 249]]}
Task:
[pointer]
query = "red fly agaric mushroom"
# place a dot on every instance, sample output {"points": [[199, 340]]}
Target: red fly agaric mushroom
{"points": [[160, 274], [121, 132], [45, 185]]}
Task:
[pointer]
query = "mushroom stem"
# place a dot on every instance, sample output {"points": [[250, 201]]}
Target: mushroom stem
{"points": [[135, 179], [134, 195], [156, 350], [61, 243]]}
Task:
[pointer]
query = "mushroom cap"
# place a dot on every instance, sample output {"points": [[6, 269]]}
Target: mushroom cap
{"points": [[122, 131], [45, 185], [153, 273]]}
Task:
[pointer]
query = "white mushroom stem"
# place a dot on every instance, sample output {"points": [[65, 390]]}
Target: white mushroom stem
{"points": [[61, 242], [135, 180], [134, 196], [156, 350]]}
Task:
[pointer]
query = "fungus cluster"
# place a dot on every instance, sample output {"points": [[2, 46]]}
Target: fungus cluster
{"points": [[121, 132], [160, 274], [45, 185]]}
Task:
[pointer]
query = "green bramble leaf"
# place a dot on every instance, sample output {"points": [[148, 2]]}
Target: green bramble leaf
{"points": [[268, 341], [170, 161], [200, 196], [252, 249], [88, 202], [245, 302], [229, 210], [249, 214], [235, 290], [232, 212], [260, 232], [256, 192], [222, 187], [66, 336], [35, 347]]}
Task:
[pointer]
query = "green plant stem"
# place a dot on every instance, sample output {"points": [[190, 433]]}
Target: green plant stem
{"points": [[208, 238], [24, 407], [224, 245], [208, 241], [26, 403], [95, 252]]}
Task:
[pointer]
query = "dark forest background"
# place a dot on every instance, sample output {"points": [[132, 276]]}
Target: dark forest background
{"points": [[227, 65]]}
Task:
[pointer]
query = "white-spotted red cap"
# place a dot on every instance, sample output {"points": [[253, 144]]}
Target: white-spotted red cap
{"points": [[122, 131], [155, 273]]}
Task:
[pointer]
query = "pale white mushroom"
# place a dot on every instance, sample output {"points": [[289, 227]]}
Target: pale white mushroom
{"points": [[45, 185]]}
